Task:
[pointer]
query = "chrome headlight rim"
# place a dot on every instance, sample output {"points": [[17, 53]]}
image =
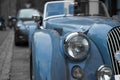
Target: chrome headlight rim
{"points": [[70, 36], [99, 72]]}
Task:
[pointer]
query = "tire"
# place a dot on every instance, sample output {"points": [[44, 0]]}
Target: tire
{"points": [[16, 42]]}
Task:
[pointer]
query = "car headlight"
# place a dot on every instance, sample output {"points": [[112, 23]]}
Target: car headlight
{"points": [[77, 72], [17, 27], [0, 23], [76, 46], [104, 73]]}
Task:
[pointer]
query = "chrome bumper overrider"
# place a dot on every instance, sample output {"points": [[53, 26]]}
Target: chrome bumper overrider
{"points": [[117, 77]]}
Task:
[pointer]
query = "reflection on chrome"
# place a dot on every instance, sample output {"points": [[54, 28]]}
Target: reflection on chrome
{"points": [[104, 73], [117, 56]]}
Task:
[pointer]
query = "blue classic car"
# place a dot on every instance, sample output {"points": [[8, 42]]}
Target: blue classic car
{"points": [[79, 41], [25, 21]]}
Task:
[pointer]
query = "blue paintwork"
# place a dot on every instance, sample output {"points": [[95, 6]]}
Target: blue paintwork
{"points": [[49, 59], [31, 31]]}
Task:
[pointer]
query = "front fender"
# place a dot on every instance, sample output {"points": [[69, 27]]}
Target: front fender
{"points": [[47, 60], [98, 34], [32, 29]]}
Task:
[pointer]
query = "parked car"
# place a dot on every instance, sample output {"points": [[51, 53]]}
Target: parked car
{"points": [[24, 22], [79, 41], [2, 24]]}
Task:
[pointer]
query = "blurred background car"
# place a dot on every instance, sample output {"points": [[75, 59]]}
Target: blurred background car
{"points": [[24, 22], [2, 24]]}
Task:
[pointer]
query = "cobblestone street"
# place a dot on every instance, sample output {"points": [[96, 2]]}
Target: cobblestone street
{"points": [[14, 61], [20, 63]]}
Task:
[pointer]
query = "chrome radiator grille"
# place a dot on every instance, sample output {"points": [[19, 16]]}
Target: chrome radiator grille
{"points": [[113, 40]]}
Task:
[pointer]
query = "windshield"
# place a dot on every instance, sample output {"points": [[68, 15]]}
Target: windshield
{"points": [[27, 13], [67, 8]]}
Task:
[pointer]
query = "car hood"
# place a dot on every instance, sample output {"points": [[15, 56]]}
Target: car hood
{"points": [[26, 25], [79, 23]]}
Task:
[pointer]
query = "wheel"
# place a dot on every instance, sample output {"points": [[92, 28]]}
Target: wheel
{"points": [[31, 68]]}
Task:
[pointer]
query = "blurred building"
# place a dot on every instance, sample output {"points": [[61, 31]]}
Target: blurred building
{"points": [[38, 4], [113, 6], [7, 7]]}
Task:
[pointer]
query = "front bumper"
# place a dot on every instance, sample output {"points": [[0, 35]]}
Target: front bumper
{"points": [[21, 36], [117, 77]]}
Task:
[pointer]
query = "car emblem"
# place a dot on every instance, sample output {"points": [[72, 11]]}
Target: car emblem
{"points": [[117, 56]]}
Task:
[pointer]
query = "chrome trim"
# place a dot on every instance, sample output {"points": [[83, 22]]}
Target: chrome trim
{"points": [[102, 66], [106, 10], [111, 54], [67, 38], [99, 73], [115, 45]]}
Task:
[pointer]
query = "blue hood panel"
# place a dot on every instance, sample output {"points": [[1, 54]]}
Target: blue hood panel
{"points": [[82, 24], [84, 20]]}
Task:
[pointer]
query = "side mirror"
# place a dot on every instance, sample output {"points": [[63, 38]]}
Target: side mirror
{"points": [[38, 19]]}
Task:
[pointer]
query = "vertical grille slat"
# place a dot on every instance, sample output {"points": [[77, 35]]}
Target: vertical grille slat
{"points": [[118, 40], [110, 50], [113, 40], [118, 30], [115, 48]]}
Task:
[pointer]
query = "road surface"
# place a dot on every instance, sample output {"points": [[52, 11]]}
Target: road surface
{"points": [[14, 60]]}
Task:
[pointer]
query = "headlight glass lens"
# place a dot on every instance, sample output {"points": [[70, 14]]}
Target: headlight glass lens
{"points": [[104, 73], [76, 45]]}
